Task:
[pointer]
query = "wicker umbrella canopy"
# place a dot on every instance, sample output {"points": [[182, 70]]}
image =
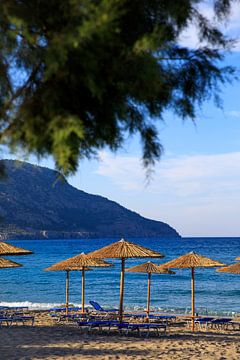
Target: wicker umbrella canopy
{"points": [[149, 268], [81, 263], [77, 263], [192, 260], [238, 258], [7, 249], [4, 263], [124, 249], [233, 269]]}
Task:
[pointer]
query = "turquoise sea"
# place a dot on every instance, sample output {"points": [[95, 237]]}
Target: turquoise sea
{"points": [[216, 293]]}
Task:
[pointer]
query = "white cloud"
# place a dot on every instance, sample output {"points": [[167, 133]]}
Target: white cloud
{"points": [[199, 195], [122, 170], [184, 175], [234, 113], [231, 27]]}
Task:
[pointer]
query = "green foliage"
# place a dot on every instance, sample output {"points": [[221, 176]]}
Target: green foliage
{"points": [[76, 76]]}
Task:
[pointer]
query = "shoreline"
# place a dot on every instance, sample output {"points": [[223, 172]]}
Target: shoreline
{"points": [[37, 306]]}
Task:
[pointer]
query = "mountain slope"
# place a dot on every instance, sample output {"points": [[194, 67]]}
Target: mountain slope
{"points": [[34, 202]]}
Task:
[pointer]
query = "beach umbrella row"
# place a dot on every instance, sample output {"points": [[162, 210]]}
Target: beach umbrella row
{"points": [[124, 249], [81, 263]]}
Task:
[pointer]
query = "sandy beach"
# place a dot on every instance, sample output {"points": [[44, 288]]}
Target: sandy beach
{"points": [[50, 340]]}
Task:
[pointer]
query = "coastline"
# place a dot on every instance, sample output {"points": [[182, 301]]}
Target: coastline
{"points": [[37, 306]]}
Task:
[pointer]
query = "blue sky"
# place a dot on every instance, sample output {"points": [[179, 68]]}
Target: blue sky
{"points": [[196, 186]]}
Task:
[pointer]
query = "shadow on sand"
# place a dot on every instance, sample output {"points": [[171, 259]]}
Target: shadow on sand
{"points": [[43, 342]]}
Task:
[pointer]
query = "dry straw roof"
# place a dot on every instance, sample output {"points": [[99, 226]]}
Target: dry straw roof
{"points": [[233, 269], [149, 268], [4, 263], [78, 263], [7, 249], [124, 249], [192, 260], [238, 258]]}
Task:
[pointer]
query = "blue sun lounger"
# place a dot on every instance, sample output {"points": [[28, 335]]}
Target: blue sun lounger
{"points": [[63, 308], [221, 323], [23, 319], [141, 316], [99, 308], [9, 320], [142, 326], [60, 316], [204, 321], [5, 320], [217, 323], [122, 326], [164, 318], [100, 324]]}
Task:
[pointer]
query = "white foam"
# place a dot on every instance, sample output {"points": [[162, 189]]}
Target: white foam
{"points": [[46, 306], [32, 305]]}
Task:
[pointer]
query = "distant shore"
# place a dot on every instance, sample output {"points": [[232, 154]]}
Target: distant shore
{"points": [[64, 235]]}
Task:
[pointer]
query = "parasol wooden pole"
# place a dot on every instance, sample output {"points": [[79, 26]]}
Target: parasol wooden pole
{"points": [[193, 301], [121, 290], [67, 290], [148, 295], [83, 291]]}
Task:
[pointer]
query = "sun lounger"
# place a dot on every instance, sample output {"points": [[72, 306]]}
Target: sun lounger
{"points": [[166, 319], [235, 324], [23, 319], [123, 327], [99, 308], [135, 316], [5, 320], [60, 317], [215, 323], [10, 320], [221, 323], [143, 327], [204, 321], [63, 308], [99, 324]]}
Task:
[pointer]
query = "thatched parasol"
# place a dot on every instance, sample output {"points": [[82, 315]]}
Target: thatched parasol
{"points": [[7, 249], [238, 258], [122, 250], [233, 269], [4, 264], [81, 263], [149, 268], [192, 260]]}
